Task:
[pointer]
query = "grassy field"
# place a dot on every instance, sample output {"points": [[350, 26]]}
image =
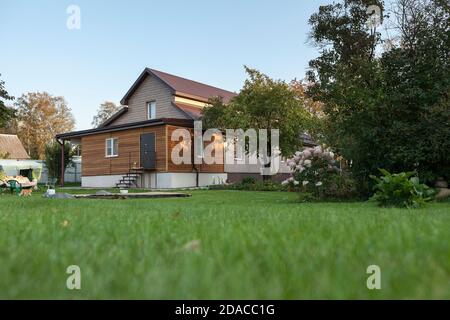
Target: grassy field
{"points": [[221, 245]]}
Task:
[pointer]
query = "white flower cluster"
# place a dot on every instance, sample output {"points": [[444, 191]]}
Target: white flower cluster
{"points": [[303, 160]]}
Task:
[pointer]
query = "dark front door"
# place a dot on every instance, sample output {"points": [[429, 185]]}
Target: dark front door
{"points": [[148, 154]]}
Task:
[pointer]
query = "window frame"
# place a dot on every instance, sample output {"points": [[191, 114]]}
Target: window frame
{"points": [[151, 115], [112, 155]]}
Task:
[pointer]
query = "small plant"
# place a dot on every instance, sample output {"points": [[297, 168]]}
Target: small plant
{"points": [[248, 180], [401, 190]]}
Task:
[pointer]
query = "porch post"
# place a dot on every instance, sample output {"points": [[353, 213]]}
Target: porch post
{"points": [[62, 163]]}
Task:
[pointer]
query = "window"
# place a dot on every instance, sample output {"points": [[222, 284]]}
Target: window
{"points": [[112, 147], [151, 110]]}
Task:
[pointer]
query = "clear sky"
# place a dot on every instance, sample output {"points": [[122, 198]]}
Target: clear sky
{"points": [[204, 40]]}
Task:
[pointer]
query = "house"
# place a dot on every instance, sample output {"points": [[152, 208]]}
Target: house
{"points": [[11, 147], [14, 159], [134, 146]]}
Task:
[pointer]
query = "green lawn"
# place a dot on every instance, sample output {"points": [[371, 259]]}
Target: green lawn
{"points": [[252, 245]]}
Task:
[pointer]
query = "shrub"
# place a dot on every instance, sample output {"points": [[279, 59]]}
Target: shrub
{"points": [[401, 190], [340, 187], [53, 159], [257, 186], [248, 180], [316, 171]]}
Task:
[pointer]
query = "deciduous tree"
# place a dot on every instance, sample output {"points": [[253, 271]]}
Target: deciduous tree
{"points": [[40, 116], [263, 103], [6, 113], [104, 112], [385, 108]]}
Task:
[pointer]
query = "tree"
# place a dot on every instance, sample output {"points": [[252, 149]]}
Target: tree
{"points": [[382, 107], [40, 116], [53, 159], [4, 155], [263, 103], [416, 75], [106, 110], [6, 113]]}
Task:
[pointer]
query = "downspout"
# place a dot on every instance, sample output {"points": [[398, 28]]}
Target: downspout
{"points": [[196, 174], [194, 166], [61, 143]]}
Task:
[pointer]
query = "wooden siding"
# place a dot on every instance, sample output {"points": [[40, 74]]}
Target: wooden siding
{"points": [[172, 167], [95, 162], [151, 89]]}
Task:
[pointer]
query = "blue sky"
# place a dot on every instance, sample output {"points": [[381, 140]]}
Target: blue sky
{"points": [[204, 40]]}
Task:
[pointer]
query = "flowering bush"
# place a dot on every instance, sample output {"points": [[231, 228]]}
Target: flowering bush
{"points": [[316, 172]]}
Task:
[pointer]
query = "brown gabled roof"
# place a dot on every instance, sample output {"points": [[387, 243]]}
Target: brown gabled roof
{"points": [[181, 87], [194, 113], [11, 145]]}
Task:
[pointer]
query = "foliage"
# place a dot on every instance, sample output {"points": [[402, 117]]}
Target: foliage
{"points": [[53, 159], [6, 113], [106, 110], [341, 187], [40, 116], [36, 174], [266, 185], [263, 103], [386, 107], [2, 175], [316, 173], [401, 190], [4, 155], [248, 180]]}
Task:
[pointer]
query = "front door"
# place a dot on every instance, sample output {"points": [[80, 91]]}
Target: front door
{"points": [[148, 154]]}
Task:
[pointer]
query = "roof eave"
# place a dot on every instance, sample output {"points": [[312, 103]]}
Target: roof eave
{"points": [[134, 125], [115, 116]]}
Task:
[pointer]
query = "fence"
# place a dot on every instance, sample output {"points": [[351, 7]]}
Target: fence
{"points": [[72, 173]]}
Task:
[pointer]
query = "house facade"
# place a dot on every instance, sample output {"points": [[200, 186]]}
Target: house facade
{"points": [[134, 146]]}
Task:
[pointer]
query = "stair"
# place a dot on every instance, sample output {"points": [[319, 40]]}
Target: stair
{"points": [[130, 179]]}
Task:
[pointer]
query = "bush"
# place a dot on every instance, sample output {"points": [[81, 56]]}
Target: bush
{"points": [[248, 180], [53, 159], [256, 186], [401, 190], [316, 172], [340, 187]]}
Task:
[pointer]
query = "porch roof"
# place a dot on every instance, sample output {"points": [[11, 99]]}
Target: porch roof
{"points": [[141, 124]]}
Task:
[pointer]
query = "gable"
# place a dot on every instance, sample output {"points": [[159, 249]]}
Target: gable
{"points": [[149, 88], [181, 87]]}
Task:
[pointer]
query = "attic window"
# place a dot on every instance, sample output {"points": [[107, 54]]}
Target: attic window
{"points": [[151, 110]]}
